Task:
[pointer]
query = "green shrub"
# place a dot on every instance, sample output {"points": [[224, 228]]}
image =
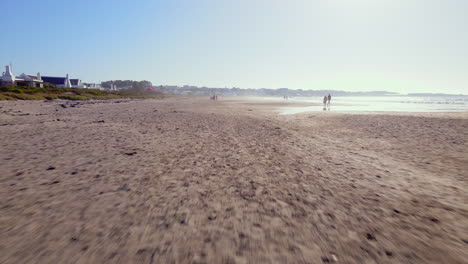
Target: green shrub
{"points": [[72, 97], [94, 92], [77, 91], [6, 88], [6, 98], [51, 96], [21, 96], [33, 90], [16, 90]]}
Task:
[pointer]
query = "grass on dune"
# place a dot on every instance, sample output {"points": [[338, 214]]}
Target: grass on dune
{"points": [[50, 93]]}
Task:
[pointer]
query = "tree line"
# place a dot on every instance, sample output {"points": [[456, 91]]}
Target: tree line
{"points": [[135, 86]]}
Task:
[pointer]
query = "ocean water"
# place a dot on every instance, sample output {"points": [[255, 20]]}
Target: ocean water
{"points": [[382, 103]]}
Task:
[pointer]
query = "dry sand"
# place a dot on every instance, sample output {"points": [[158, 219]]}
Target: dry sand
{"points": [[197, 181]]}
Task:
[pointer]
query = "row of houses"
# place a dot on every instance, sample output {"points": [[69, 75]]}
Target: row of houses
{"points": [[8, 78]]}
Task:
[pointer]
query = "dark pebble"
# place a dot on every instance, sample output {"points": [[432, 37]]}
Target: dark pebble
{"points": [[142, 251], [369, 236], [124, 188]]}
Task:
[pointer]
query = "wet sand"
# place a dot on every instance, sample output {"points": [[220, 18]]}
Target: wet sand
{"points": [[197, 181]]}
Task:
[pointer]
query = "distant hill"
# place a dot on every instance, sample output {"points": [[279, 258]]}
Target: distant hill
{"points": [[434, 94], [194, 90]]}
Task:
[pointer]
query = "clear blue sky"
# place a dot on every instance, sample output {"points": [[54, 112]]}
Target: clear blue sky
{"points": [[354, 45]]}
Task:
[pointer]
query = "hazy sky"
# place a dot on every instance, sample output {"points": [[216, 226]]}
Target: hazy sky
{"points": [[354, 45]]}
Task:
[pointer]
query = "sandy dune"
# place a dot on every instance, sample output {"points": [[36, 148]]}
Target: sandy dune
{"points": [[197, 181]]}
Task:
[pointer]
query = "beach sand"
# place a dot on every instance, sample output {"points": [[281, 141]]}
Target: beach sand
{"points": [[197, 181]]}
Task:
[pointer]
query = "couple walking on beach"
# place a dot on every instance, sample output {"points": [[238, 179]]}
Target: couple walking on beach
{"points": [[326, 102]]}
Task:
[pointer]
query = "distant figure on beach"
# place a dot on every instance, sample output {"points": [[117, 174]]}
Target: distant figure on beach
{"points": [[325, 100], [329, 100]]}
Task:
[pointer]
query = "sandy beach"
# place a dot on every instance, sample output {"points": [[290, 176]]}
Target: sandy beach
{"points": [[196, 181]]}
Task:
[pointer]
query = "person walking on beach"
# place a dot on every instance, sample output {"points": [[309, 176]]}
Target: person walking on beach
{"points": [[328, 101], [325, 100]]}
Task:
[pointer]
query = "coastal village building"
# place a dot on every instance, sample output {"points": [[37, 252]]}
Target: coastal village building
{"points": [[113, 87], [66, 82], [63, 82], [8, 78], [96, 86]]}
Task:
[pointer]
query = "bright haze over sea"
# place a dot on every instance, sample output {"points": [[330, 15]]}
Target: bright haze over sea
{"points": [[404, 46], [380, 104]]}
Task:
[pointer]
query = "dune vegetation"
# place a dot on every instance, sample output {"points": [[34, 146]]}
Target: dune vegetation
{"points": [[50, 93]]}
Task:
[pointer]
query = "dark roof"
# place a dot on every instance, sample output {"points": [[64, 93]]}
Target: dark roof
{"points": [[54, 80], [58, 80]]}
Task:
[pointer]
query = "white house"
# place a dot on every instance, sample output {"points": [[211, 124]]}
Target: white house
{"points": [[8, 78]]}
